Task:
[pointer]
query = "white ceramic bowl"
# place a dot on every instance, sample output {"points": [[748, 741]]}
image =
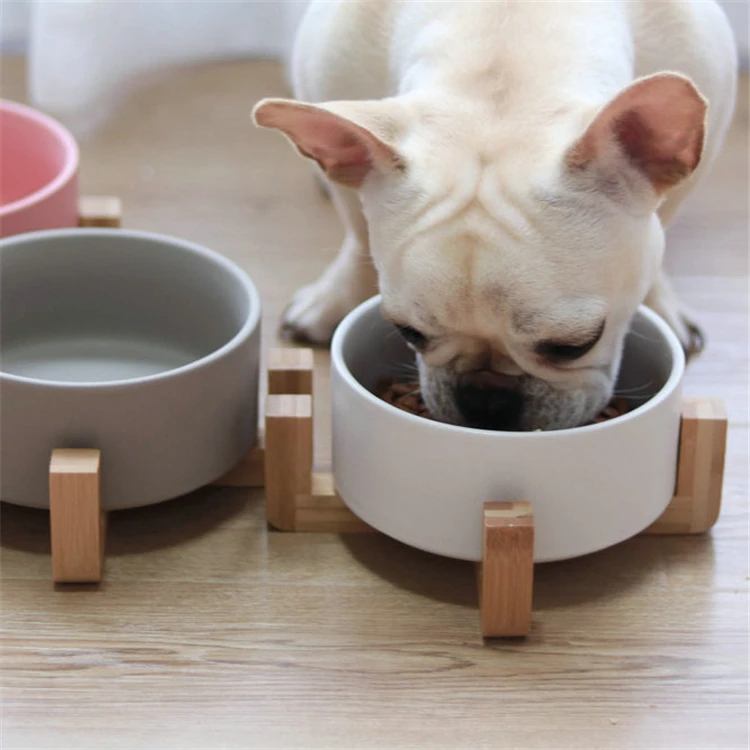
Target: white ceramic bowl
{"points": [[425, 483], [145, 347]]}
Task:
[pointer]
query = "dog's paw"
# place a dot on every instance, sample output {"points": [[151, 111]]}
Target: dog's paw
{"points": [[663, 301], [692, 337], [314, 312], [689, 333]]}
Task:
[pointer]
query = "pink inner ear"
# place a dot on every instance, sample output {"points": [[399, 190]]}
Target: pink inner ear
{"points": [[658, 124], [343, 156], [631, 133], [345, 150], [327, 137]]}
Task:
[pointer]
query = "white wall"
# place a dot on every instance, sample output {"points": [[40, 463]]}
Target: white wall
{"points": [[14, 26], [84, 54], [15, 16], [738, 12]]}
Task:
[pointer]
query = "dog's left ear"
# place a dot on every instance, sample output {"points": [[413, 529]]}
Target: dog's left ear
{"points": [[347, 139], [655, 126]]}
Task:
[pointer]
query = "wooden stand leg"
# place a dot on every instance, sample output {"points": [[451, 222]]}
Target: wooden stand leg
{"points": [[99, 211], [76, 519], [290, 371], [506, 573], [700, 470], [323, 510], [289, 456], [289, 435], [297, 499], [249, 472]]}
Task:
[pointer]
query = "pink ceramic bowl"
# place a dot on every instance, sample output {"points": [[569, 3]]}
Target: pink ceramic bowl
{"points": [[39, 173]]}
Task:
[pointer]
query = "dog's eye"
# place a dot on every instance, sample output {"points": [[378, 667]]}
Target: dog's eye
{"points": [[559, 351], [412, 336]]}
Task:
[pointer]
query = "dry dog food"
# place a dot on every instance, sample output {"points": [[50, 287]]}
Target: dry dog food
{"points": [[406, 396]]}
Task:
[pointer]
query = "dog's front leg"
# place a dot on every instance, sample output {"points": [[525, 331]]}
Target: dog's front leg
{"points": [[350, 142], [317, 309], [663, 300]]}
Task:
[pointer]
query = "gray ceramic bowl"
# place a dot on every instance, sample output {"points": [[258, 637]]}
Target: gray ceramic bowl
{"points": [[146, 347]]}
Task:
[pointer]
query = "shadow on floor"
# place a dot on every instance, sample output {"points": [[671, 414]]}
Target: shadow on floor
{"points": [[440, 578], [600, 576], [137, 530]]}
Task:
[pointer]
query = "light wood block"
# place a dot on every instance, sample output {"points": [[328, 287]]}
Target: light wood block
{"points": [[329, 521], [324, 493], [506, 573], [99, 211], [297, 499], [289, 456], [700, 470], [76, 519], [249, 472], [324, 510], [290, 371]]}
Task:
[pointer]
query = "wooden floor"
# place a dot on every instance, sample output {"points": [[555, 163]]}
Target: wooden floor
{"points": [[211, 632]]}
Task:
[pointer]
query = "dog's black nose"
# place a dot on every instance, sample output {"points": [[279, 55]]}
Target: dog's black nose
{"points": [[489, 408]]}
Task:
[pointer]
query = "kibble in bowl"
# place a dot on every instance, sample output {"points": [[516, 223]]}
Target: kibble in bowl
{"points": [[406, 395], [425, 483]]}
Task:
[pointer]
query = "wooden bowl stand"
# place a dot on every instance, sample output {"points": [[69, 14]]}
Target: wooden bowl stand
{"points": [[299, 499]]}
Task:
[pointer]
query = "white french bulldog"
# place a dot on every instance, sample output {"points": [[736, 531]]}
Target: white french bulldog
{"points": [[504, 171]]}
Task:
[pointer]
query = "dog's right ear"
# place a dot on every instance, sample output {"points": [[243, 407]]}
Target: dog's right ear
{"points": [[656, 126], [348, 139]]}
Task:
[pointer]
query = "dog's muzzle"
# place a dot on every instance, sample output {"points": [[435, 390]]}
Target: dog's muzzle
{"points": [[489, 400]]}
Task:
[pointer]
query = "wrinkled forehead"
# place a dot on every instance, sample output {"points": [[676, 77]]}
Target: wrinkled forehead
{"points": [[468, 284]]}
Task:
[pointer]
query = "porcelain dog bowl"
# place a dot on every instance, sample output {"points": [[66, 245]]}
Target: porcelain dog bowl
{"points": [[39, 174], [145, 347], [425, 483]]}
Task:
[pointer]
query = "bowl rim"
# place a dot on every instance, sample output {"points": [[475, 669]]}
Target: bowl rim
{"points": [[673, 381], [248, 328], [69, 168]]}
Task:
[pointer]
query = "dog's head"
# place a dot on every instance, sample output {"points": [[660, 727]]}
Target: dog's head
{"points": [[511, 255]]}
